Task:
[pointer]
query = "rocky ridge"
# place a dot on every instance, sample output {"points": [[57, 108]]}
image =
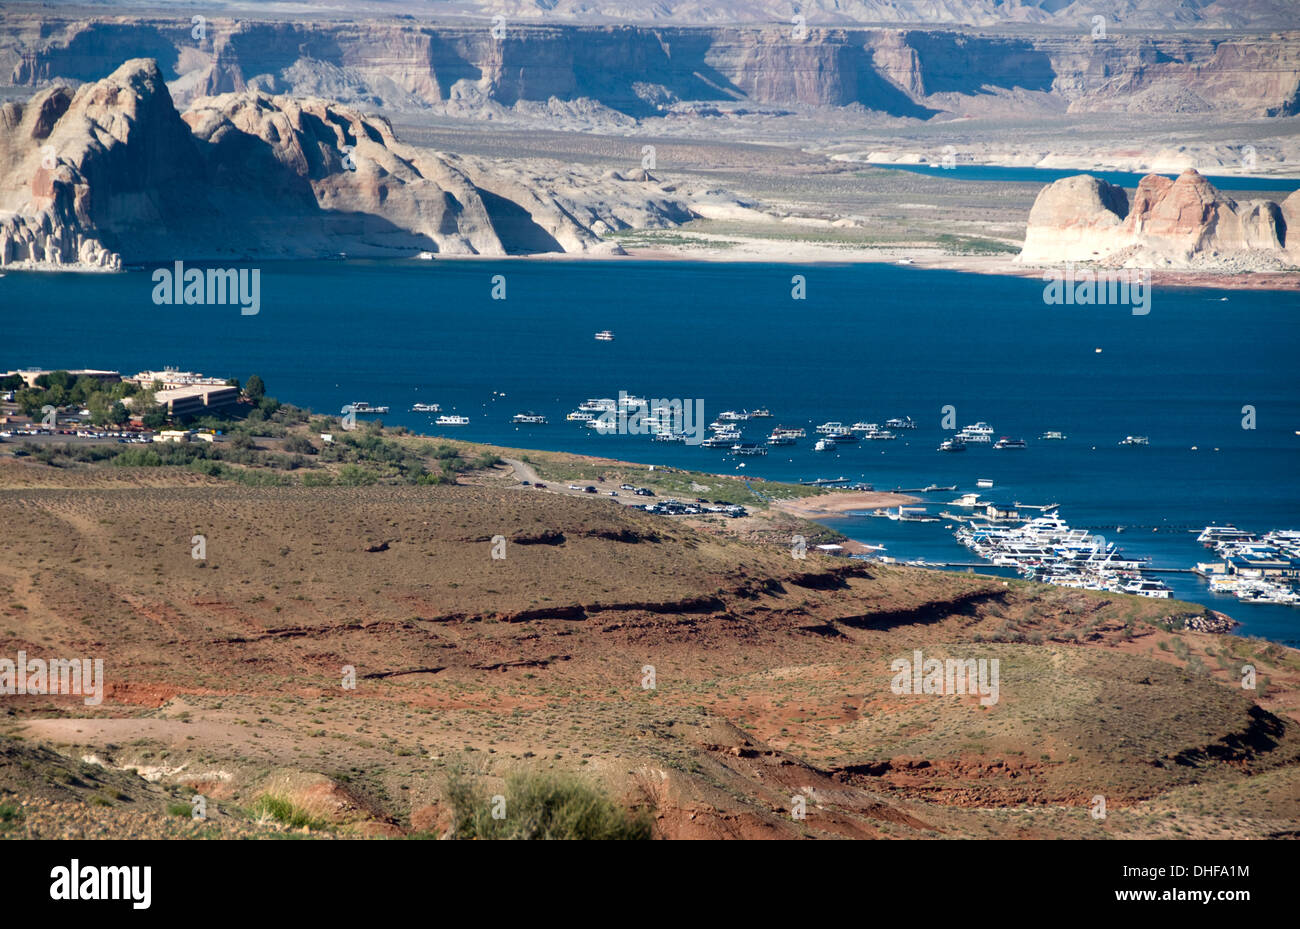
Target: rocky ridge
{"points": [[112, 173]]}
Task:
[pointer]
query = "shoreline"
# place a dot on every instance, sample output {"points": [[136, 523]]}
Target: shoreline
{"points": [[758, 250]]}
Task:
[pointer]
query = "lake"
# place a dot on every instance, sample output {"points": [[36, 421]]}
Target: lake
{"points": [[869, 342], [1008, 174]]}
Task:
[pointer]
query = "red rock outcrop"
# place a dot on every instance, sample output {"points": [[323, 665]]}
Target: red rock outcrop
{"points": [[1183, 223]]}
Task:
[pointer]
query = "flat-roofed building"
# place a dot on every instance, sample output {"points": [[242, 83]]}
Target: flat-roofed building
{"points": [[30, 375], [171, 378], [197, 400]]}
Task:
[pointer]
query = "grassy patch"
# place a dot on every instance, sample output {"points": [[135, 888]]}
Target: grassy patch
{"points": [[540, 805], [285, 811]]}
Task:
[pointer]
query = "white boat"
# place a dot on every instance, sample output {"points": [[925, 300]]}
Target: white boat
{"points": [[775, 439], [604, 336], [831, 428], [903, 422], [426, 408], [452, 420], [1148, 588], [1135, 440], [581, 416], [977, 433], [599, 405], [782, 432], [731, 416], [984, 482], [955, 444], [361, 406], [879, 435], [864, 427], [761, 413], [824, 445], [1053, 436], [529, 419]]}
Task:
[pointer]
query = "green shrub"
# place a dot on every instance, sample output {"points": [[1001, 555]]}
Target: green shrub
{"points": [[283, 810], [541, 805]]}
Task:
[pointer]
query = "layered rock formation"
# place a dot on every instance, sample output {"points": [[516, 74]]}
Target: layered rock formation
{"points": [[1182, 223], [113, 173], [637, 70]]}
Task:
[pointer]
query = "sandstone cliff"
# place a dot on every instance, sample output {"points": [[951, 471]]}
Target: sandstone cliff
{"points": [[637, 70], [1182, 223], [113, 173]]}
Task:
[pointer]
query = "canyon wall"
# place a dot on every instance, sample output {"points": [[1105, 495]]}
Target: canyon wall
{"points": [[640, 69]]}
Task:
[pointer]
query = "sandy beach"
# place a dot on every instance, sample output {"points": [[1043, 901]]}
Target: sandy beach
{"points": [[840, 502]]}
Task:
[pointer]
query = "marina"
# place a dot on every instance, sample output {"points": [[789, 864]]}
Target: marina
{"points": [[1257, 568], [1045, 548]]}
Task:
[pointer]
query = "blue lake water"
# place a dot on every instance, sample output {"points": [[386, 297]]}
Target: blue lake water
{"points": [[1008, 174], [870, 342]]}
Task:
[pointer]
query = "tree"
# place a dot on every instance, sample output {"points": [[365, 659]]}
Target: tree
{"points": [[54, 379], [30, 400], [255, 390], [98, 405], [85, 388], [119, 415]]}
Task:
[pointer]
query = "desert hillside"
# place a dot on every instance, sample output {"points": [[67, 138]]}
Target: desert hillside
{"points": [[693, 670]]}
